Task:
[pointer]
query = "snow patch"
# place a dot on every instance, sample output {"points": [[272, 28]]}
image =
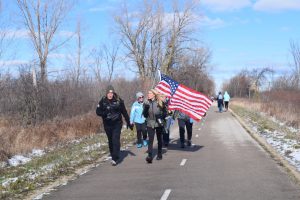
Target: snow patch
{"points": [[9, 181], [37, 152], [285, 147], [17, 160], [92, 148]]}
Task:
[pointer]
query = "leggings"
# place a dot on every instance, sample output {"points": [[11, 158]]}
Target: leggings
{"points": [[141, 130]]}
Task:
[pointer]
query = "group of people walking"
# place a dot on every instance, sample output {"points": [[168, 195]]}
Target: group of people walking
{"points": [[223, 99], [150, 117]]}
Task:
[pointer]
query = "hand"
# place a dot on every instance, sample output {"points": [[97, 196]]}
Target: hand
{"points": [[130, 126], [146, 107]]}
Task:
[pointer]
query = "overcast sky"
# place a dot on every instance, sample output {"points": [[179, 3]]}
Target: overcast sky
{"points": [[242, 34]]}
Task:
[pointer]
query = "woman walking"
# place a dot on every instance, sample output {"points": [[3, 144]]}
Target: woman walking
{"points": [[220, 102], [155, 113], [137, 118], [111, 108], [226, 100]]}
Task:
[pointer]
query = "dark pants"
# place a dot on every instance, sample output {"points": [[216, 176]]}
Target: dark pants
{"points": [[166, 136], [226, 104], [166, 131], [189, 128], [113, 132], [141, 129], [220, 105], [151, 133]]}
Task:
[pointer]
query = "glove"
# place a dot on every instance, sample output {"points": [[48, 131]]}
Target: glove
{"points": [[130, 126], [146, 106]]}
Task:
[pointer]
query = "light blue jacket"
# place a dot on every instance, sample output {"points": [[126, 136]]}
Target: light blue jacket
{"points": [[136, 113], [226, 96]]}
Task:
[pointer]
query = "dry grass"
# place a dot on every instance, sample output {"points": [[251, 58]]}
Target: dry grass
{"points": [[17, 139], [280, 105]]}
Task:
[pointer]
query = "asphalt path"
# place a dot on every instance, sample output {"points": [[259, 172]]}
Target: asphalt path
{"points": [[224, 163]]}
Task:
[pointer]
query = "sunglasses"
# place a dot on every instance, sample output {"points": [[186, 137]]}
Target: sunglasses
{"points": [[141, 97]]}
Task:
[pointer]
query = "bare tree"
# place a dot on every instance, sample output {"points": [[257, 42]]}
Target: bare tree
{"points": [[42, 19], [104, 57], [238, 86], [79, 53], [110, 57], [153, 37], [3, 34], [192, 70], [258, 76], [295, 51], [96, 64], [75, 65]]}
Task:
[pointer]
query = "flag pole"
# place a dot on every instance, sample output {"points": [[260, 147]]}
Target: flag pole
{"points": [[154, 80], [159, 75]]}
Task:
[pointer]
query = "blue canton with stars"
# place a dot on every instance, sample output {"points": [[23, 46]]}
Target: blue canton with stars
{"points": [[173, 84]]}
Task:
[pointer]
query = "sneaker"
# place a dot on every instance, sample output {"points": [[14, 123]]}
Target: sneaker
{"points": [[139, 145], [159, 157], [145, 143], [149, 159], [189, 143], [113, 163]]}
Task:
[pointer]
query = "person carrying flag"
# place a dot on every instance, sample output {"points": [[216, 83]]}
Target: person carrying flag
{"points": [[155, 113]]}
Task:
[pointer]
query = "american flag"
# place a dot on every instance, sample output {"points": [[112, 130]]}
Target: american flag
{"points": [[191, 102]]}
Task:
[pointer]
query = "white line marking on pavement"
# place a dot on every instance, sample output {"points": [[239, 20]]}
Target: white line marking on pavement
{"points": [[197, 135], [183, 162], [199, 129], [166, 194]]}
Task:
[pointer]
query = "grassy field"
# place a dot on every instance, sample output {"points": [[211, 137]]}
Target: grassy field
{"points": [[17, 182], [252, 113]]}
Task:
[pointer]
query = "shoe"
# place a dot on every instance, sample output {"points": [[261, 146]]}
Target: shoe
{"points": [[113, 163], [166, 144], [189, 143], [139, 145], [149, 159], [159, 157], [145, 143], [182, 145]]}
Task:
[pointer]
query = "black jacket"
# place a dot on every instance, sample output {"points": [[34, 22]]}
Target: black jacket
{"points": [[111, 111]]}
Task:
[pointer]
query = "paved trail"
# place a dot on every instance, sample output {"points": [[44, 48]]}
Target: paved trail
{"points": [[225, 163]]}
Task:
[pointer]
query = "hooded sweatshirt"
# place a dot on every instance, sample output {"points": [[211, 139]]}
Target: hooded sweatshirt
{"points": [[136, 114], [226, 96]]}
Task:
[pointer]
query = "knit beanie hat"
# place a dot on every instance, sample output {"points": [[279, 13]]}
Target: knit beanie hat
{"points": [[139, 94], [110, 88]]}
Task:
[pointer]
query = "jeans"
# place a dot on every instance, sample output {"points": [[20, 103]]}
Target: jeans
{"points": [[220, 105], [189, 127]]}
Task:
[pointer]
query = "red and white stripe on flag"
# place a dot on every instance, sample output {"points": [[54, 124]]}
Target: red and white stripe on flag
{"points": [[186, 100], [190, 102], [164, 88]]}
